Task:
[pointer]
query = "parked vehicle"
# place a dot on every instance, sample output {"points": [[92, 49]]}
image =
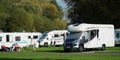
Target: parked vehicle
{"points": [[55, 37], [85, 36], [117, 37], [21, 39]]}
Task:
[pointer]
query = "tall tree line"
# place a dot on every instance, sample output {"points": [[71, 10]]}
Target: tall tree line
{"points": [[94, 11], [30, 15]]}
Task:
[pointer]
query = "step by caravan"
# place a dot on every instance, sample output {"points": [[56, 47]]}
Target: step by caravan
{"points": [[85, 36], [117, 37], [55, 37], [23, 39]]}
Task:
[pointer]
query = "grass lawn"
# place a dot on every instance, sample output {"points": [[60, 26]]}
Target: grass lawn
{"points": [[56, 53]]}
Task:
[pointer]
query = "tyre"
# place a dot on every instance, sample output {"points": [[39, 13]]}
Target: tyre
{"points": [[81, 48], [54, 44], [103, 47], [45, 44]]}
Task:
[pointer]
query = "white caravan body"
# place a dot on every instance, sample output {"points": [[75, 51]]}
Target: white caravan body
{"points": [[89, 36], [55, 37], [23, 39], [117, 37]]}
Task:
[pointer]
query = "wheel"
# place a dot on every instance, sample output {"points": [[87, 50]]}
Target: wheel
{"points": [[103, 47], [54, 44], [81, 48], [45, 44]]}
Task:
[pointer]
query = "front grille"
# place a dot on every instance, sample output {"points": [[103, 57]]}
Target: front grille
{"points": [[68, 44]]}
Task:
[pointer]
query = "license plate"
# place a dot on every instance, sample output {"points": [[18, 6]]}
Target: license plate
{"points": [[68, 47]]}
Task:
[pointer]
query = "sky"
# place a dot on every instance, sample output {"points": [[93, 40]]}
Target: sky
{"points": [[61, 3], [64, 7]]}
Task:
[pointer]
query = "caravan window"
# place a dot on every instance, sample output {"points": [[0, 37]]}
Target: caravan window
{"points": [[17, 38], [35, 37], [7, 38], [0, 39], [29, 37], [56, 35]]}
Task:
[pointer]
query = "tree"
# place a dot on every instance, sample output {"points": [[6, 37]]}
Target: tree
{"points": [[59, 24], [50, 10], [3, 17], [30, 15], [94, 11], [19, 20]]}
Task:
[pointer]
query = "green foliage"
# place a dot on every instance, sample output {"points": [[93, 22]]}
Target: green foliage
{"points": [[44, 24], [59, 24], [94, 11], [20, 21], [30, 15], [50, 10]]}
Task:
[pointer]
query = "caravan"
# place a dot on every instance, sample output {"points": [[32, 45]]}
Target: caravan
{"points": [[117, 37], [85, 36], [22, 39], [55, 37]]}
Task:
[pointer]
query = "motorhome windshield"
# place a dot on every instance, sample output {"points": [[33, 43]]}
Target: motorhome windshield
{"points": [[43, 36], [74, 35]]}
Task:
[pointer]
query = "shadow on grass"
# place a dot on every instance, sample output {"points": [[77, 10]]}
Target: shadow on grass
{"points": [[62, 51], [13, 59], [57, 51], [30, 59]]}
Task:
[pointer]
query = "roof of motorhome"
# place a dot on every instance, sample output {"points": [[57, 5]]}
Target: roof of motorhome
{"points": [[84, 26], [55, 31], [117, 29], [94, 25]]}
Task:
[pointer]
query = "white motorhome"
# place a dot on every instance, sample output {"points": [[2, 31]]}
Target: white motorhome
{"points": [[22, 39], [84, 36], [55, 37], [117, 37]]}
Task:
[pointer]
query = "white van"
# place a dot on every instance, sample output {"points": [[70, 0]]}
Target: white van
{"points": [[117, 37], [22, 39], [85, 36], [55, 37]]}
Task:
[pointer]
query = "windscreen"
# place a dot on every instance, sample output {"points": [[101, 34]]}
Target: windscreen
{"points": [[74, 36], [43, 36]]}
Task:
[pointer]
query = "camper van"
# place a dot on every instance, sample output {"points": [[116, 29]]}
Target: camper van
{"points": [[55, 37], [22, 39], [84, 36], [117, 37]]}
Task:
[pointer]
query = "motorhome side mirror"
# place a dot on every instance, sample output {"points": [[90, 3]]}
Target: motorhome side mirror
{"points": [[83, 37]]}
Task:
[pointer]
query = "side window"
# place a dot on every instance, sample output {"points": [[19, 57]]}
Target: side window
{"points": [[62, 34], [17, 38], [35, 36], [56, 35], [85, 35], [117, 35], [29, 37], [7, 38], [97, 33], [0, 39], [93, 33]]}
